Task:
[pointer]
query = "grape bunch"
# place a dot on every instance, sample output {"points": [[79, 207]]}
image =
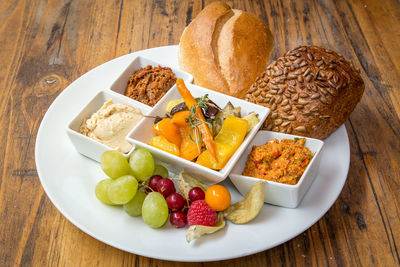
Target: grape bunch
{"points": [[127, 185], [144, 189]]}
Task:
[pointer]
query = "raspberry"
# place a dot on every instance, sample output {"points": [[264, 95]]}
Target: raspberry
{"points": [[201, 214]]}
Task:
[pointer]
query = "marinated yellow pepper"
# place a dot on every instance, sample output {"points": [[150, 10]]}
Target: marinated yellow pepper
{"points": [[162, 143], [227, 141]]}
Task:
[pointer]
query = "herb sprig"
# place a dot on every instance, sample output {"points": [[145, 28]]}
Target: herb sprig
{"points": [[194, 121]]}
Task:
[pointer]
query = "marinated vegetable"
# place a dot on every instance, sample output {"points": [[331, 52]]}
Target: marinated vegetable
{"points": [[181, 118], [227, 141], [180, 107], [190, 148], [198, 130], [169, 130], [171, 104], [228, 110], [252, 119], [202, 125], [162, 143]]}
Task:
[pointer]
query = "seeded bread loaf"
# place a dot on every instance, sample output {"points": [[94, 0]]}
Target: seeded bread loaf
{"points": [[225, 49], [310, 90]]}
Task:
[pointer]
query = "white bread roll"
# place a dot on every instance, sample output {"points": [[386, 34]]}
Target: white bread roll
{"points": [[225, 49]]}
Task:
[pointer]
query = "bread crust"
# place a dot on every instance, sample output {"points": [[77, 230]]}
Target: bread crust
{"points": [[225, 49], [311, 91], [195, 47]]}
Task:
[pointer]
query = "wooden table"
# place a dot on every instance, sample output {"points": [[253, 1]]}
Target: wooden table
{"points": [[45, 45]]}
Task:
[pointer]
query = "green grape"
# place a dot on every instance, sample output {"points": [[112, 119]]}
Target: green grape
{"points": [[101, 191], [155, 210], [142, 164], [114, 164], [134, 207], [123, 189], [160, 170]]}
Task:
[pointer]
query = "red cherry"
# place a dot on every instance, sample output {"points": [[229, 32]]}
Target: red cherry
{"points": [[175, 201], [166, 187], [154, 181], [178, 219], [196, 193]]}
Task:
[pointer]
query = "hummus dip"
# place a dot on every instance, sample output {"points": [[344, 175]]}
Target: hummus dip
{"points": [[110, 125]]}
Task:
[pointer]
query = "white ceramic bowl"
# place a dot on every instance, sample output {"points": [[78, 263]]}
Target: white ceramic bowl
{"points": [[142, 134], [86, 145], [121, 83], [279, 194]]}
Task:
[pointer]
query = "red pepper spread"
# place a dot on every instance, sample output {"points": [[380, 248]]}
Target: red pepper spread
{"points": [[282, 162]]}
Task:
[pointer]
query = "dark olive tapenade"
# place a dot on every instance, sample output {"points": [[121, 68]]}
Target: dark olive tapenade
{"points": [[149, 84]]}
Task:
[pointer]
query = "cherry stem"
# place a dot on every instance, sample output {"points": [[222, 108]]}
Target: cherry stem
{"points": [[145, 186]]}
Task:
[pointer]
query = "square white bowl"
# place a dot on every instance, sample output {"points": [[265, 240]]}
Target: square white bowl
{"points": [[279, 194], [88, 146], [121, 83], [142, 134]]}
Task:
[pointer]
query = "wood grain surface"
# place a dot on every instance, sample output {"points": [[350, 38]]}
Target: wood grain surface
{"points": [[45, 45]]}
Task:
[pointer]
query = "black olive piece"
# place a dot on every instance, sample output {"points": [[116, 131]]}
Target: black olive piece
{"points": [[157, 119], [179, 107], [211, 110]]}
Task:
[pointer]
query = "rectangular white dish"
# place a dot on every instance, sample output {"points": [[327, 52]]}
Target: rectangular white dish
{"points": [[279, 194], [142, 134], [121, 83], [86, 145]]}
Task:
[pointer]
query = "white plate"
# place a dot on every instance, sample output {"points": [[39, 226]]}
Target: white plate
{"points": [[69, 180]]}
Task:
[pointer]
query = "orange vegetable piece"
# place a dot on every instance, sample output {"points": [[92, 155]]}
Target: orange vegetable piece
{"points": [[168, 129], [205, 131], [190, 150], [218, 197], [180, 117], [162, 143]]}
